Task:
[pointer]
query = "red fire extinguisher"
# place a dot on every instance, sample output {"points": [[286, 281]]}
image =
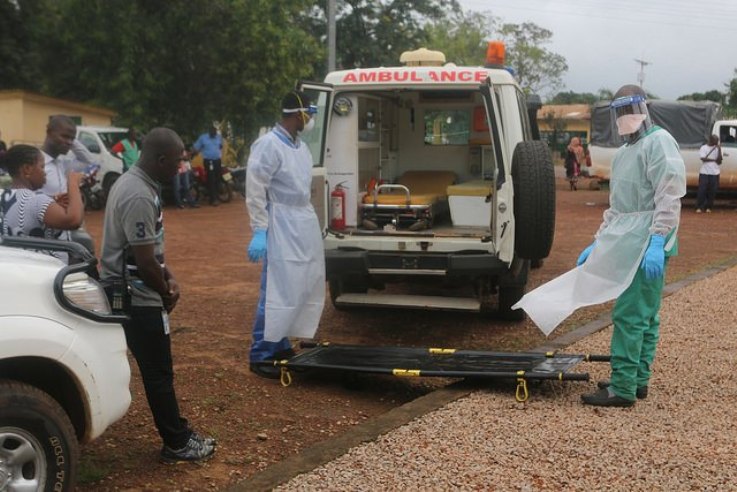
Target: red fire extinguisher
{"points": [[337, 207]]}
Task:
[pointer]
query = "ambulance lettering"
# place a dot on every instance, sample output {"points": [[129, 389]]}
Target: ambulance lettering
{"points": [[384, 76]]}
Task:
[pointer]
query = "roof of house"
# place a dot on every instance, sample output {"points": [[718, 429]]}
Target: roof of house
{"points": [[38, 98], [566, 111]]}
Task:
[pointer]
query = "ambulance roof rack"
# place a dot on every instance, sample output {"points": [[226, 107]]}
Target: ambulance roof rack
{"points": [[422, 57]]}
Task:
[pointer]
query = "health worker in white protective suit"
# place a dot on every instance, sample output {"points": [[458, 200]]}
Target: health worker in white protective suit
{"points": [[286, 230], [629, 254]]}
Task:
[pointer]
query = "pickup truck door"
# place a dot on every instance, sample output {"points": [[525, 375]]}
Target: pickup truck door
{"points": [[502, 212], [321, 95]]}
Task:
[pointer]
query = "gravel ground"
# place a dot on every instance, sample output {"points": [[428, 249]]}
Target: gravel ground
{"points": [[683, 437]]}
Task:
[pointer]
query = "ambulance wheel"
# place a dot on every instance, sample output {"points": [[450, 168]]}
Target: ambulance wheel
{"points": [[534, 200], [512, 287], [345, 285]]}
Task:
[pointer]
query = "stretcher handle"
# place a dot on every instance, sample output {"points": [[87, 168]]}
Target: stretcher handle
{"points": [[391, 187], [598, 358]]}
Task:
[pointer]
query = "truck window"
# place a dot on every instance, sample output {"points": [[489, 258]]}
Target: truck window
{"points": [[728, 135]]}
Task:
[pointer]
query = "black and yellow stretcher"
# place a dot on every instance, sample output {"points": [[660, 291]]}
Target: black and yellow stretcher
{"points": [[438, 362]]}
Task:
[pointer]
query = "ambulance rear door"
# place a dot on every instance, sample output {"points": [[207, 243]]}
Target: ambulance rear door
{"points": [[502, 223]]}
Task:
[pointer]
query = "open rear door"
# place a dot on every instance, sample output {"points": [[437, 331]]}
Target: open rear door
{"points": [[321, 95], [502, 223]]}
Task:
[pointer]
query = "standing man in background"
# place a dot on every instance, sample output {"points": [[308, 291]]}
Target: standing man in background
{"points": [[61, 135], [711, 155], [127, 150], [211, 146], [284, 223]]}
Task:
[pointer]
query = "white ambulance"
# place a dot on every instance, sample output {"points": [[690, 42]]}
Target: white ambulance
{"points": [[431, 189]]}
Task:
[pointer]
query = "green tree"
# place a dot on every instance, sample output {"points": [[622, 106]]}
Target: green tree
{"points": [[372, 33], [182, 63], [462, 38], [21, 25], [730, 107], [537, 69], [570, 97], [713, 95]]}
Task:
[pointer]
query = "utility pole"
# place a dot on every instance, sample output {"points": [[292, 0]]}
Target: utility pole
{"points": [[641, 74], [331, 36]]}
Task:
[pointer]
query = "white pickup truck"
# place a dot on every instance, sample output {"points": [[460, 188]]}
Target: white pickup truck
{"points": [[64, 372], [690, 123], [435, 182]]}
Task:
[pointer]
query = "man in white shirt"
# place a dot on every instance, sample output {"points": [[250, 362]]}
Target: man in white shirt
{"points": [[61, 135], [711, 155]]}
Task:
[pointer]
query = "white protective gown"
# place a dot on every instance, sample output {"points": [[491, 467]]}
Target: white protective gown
{"points": [[646, 184], [278, 182]]}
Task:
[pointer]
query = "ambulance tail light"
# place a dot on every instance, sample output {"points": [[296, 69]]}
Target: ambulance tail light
{"points": [[495, 54]]}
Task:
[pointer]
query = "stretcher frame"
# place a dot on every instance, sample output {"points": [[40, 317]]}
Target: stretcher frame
{"points": [[406, 214], [437, 362]]}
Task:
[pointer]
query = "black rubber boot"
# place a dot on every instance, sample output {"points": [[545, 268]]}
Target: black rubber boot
{"points": [[640, 393], [602, 398]]}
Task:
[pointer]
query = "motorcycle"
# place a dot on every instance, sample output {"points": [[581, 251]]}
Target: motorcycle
{"points": [[93, 196], [225, 184], [239, 179]]}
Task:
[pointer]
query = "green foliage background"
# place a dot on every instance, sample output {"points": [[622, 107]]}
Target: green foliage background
{"points": [[186, 63]]}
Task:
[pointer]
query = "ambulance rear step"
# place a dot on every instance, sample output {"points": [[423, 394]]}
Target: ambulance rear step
{"points": [[409, 301]]}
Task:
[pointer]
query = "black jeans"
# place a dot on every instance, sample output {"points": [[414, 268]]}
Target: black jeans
{"points": [[144, 333], [708, 185], [214, 176]]}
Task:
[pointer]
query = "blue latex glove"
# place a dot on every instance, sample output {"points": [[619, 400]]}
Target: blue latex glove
{"points": [[257, 248], [585, 254], [654, 261]]}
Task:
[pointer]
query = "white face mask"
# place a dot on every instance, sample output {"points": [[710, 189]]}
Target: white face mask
{"points": [[629, 123], [308, 126]]}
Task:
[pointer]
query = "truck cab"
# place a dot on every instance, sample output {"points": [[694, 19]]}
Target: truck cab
{"points": [[427, 176]]}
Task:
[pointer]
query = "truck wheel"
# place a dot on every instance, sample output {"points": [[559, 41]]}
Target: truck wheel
{"points": [[345, 285], [511, 289], [534, 200], [38, 447]]}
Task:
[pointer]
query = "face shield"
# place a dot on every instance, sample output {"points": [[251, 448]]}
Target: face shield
{"points": [[629, 113]]}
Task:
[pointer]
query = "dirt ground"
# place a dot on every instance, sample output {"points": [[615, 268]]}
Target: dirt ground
{"points": [[258, 422]]}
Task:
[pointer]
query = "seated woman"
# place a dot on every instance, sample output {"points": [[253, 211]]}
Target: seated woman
{"points": [[25, 211]]}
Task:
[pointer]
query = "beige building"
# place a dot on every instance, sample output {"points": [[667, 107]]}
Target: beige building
{"points": [[24, 115], [564, 121]]}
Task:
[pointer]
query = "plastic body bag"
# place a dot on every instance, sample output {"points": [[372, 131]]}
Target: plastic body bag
{"points": [[647, 182], [278, 185]]}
